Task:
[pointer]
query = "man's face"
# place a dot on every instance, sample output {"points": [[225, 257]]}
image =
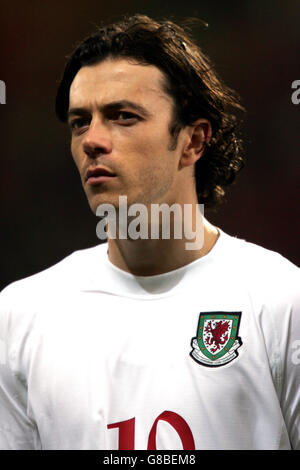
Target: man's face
{"points": [[119, 117]]}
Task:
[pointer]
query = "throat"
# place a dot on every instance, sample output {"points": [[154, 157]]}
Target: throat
{"points": [[153, 257]]}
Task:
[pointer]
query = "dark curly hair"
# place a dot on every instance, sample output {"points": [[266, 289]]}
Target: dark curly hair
{"points": [[189, 78]]}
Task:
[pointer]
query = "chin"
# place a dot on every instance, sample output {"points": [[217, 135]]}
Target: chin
{"points": [[96, 201]]}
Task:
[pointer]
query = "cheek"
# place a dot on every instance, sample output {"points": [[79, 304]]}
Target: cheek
{"points": [[75, 154], [150, 146], [153, 166]]}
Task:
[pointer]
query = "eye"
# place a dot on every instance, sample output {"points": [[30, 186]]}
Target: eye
{"points": [[76, 124], [124, 117]]}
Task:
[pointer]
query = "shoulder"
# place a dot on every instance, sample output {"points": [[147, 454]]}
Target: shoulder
{"points": [[259, 268], [25, 302], [253, 256], [69, 273]]}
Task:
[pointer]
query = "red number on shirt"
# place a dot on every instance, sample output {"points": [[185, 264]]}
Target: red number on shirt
{"points": [[127, 430], [180, 426], [126, 433]]}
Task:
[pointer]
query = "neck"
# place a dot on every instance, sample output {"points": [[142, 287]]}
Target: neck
{"points": [[148, 257]]}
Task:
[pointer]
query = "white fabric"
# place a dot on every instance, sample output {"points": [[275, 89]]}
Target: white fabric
{"points": [[84, 345]]}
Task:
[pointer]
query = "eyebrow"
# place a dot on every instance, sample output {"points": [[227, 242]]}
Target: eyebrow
{"points": [[112, 106]]}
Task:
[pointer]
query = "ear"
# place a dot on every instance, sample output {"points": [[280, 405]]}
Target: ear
{"points": [[198, 134]]}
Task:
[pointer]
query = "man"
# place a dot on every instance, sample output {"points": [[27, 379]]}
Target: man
{"points": [[147, 342]]}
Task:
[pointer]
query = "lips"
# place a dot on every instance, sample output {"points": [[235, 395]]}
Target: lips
{"points": [[98, 175]]}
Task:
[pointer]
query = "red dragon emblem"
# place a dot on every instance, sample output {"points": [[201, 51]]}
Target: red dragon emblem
{"points": [[215, 335]]}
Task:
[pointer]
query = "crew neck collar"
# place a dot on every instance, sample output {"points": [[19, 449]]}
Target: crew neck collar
{"points": [[125, 283]]}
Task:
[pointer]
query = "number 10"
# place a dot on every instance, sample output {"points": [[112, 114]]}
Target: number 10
{"points": [[127, 431]]}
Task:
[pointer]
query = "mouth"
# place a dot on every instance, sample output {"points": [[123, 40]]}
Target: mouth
{"points": [[98, 175]]}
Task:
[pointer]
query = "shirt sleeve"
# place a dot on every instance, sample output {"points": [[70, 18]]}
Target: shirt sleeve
{"points": [[17, 431], [287, 328], [290, 353]]}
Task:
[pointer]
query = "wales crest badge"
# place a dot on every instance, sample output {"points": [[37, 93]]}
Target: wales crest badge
{"points": [[217, 339]]}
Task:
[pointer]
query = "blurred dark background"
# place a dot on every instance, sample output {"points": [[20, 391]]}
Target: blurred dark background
{"points": [[255, 46]]}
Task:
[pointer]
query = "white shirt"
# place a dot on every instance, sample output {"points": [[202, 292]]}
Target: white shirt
{"points": [[92, 357]]}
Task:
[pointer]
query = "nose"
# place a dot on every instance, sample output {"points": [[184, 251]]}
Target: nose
{"points": [[97, 140]]}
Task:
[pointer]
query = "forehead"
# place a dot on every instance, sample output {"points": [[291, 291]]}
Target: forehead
{"points": [[117, 79]]}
